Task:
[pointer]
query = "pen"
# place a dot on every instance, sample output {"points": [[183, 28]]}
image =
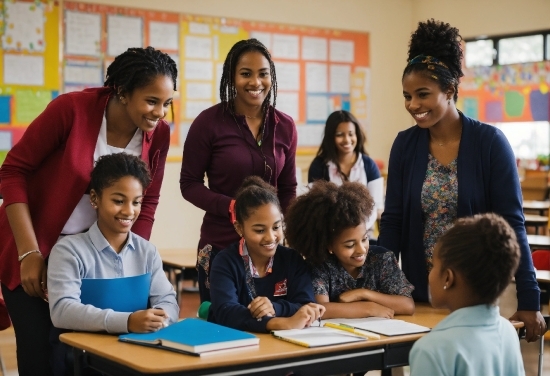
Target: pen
{"points": [[351, 329], [252, 298]]}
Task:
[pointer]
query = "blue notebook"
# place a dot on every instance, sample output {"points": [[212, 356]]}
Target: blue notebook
{"points": [[125, 294], [193, 336]]}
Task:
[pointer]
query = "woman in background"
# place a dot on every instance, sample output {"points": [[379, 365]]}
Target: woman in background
{"points": [[449, 166], [46, 175], [243, 135], [342, 157]]}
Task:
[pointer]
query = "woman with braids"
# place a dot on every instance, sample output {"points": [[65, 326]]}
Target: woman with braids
{"points": [[342, 157], [243, 135], [449, 166], [46, 175], [350, 278]]}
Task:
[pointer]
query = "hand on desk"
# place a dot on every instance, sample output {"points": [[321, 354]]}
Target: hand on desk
{"points": [[260, 307], [145, 321], [303, 318], [535, 326]]}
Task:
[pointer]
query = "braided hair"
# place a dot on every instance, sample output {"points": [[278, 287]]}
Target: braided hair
{"points": [[253, 193], [228, 92], [138, 67], [112, 167], [314, 219], [484, 250], [436, 39]]}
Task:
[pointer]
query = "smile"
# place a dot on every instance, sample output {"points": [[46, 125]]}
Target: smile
{"points": [[270, 246], [152, 122], [125, 222], [359, 257], [255, 93], [420, 115]]}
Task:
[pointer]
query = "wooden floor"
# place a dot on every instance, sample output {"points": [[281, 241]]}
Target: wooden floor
{"points": [[190, 303]]}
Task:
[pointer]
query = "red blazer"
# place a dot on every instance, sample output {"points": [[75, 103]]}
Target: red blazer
{"points": [[49, 169]]}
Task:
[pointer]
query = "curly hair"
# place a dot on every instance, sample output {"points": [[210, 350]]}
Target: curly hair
{"points": [[138, 67], [484, 250], [442, 41], [112, 167], [320, 215], [228, 92], [254, 192], [328, 150]]}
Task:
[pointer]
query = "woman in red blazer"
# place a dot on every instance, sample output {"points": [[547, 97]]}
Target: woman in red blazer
{"points": [[45, 177]]}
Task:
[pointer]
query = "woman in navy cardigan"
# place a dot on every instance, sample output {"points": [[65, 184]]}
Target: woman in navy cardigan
{"points": [[449, 166]]}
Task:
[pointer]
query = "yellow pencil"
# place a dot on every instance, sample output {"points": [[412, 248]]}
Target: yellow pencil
{"points": [[351, 329]]}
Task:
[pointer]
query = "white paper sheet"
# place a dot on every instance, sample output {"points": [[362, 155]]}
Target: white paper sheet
{"points": [[23, 70], [82, 33], [265, 38], [387, 327], [89, 75], [288, 75], [285, 46], [219, 72], [194, 108], [198, 47], [5, 140], [198, 90], [198, 70], [314, 48], [26, 26], [316, 77], [288, 102], [164, 35], [199, 28], [342, 51], [317, 108], [340, 78], [123, 32], [310, 135]]}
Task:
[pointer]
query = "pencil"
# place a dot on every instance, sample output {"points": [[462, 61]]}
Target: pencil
{"points": [[351, 329]]}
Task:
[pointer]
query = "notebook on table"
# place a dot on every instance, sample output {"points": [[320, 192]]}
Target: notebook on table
{"points": [[316, 336], [379, 325], [193, 336]]}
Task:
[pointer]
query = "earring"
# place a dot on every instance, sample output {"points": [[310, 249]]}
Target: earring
{"points": [[122, 100], [445, 287], [93, 205]]}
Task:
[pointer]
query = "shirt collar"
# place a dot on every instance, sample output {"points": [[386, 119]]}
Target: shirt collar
{"points": [[100, 243], [478, 315], [243, 251]]}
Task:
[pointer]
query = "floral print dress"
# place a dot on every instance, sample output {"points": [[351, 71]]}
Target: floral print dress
{"points": [[439, 200]]}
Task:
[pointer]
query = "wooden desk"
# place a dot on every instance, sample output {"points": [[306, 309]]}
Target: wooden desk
{"points": [[536, 221], [175, 261], [543, 276], [272, 357], [541, 207], [538, 241]]}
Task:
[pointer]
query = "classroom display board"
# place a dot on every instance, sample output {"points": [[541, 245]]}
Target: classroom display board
{"points": [[508, 93], [51, 47]]}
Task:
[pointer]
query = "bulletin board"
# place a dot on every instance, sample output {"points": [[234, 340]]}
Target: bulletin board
{"points": [[29, 68], [508, 93], [51, 47]]}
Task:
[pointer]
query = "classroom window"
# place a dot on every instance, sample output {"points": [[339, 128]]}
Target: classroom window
{"points": [[521, 49], [528, 139], [480, 53]]}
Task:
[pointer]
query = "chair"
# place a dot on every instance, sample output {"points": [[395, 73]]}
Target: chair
{"points": [[534, 186], [541, 259], [5, 323]]}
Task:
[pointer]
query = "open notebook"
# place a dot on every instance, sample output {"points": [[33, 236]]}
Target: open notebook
{"points": [[386, 327], [315, 336]]}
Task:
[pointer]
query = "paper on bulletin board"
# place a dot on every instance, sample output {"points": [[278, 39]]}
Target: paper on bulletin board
{"points": [[342, 51], [198, 70], [265, 38], [288, 75], [24, 26], [285, 46], [198, 47], [23, 70], [87, 73], [314, 48], [288, 102], [82, 33], [123, 32], [30, 103], [316, 78], [340, 78], [317, 108], [164, 35]]}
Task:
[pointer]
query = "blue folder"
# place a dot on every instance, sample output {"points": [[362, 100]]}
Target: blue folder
{"points": [[125, 294]]}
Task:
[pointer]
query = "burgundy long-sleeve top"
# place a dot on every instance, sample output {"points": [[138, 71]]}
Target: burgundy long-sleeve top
{"points": [[49, 169], [221, 146]]}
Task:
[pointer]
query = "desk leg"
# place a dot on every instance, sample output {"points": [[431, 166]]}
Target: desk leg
{"points": [[78, 355]]}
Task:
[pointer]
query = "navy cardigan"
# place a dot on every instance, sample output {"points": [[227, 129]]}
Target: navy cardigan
{"points": [[488, 181], [319, 169]]}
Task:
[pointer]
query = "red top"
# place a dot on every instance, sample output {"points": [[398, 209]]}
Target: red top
{"points": [[49, 169], [227, 154]]}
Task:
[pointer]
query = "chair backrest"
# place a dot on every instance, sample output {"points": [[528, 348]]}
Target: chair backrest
{"points": [[541, 259], [5, 321]]}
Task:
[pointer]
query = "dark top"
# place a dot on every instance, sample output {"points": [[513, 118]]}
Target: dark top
{"points": [[230, 295], [215, 146], [319, 169], [488, 181], [379, 273]]}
